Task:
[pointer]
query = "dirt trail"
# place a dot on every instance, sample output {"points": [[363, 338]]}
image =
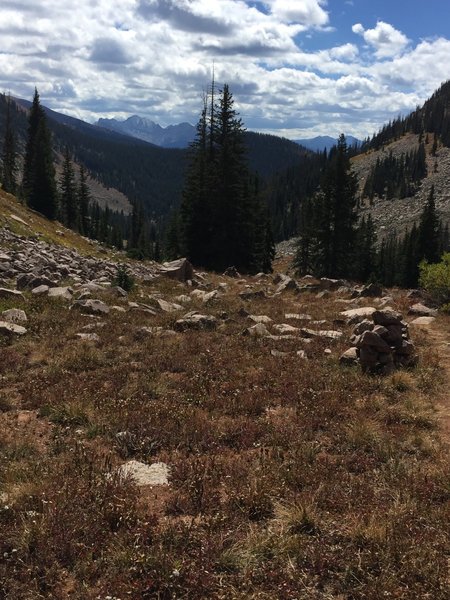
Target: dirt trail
{"points": [[440, 341]]}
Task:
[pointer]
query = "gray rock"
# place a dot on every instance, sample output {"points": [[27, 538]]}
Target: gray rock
{"points": [[65, 293], [373, 340], [386, 317], [423, 321], [181, 270], [168, 307], [92, 307], [143, 474], [11, 329], [356, 315], [40, 290], [283, 329], [349, 357], [6, 293], [15, 315], [287, 284], [194, 320], [420, 310], [258, 330]]}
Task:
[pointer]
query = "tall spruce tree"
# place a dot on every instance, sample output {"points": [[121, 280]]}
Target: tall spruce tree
{"points": [[331, 227], [429, 232], [222, 220], [38, 184], [84, 198], [69, 199], [9, 155]]}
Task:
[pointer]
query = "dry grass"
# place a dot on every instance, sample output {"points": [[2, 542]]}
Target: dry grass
{"points": [[289, 478]]}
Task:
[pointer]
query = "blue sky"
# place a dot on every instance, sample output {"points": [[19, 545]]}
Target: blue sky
{"points": [[297, 68]]}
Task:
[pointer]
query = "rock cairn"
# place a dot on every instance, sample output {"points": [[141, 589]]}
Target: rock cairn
{"points": [[381, 343]]}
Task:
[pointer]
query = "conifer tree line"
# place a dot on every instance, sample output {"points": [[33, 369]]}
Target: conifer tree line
{"points": [[333, 243], [397, 177], [222, 220], [69, 199]]}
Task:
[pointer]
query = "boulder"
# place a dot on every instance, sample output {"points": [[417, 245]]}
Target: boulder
{"points": [[168, 307], [372, 290], [386, 317], [181, 270], [40, 290], [196, 321], [287, 284], [91, 307], [349, 357], [14, 315], [423, 321], [356, 315], [11, 329], [420, 310], [65, 293], [7, 294], [373, 340], [258, 330]]}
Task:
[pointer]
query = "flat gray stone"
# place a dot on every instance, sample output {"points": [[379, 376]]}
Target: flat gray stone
{"points": [[423, 321], [6, 293], [143, 474], [15, 315], [65, 293], [11, 329]]}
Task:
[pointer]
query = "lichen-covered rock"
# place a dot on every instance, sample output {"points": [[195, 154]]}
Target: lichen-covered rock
{"points": [[15, 315], [196, 321]]}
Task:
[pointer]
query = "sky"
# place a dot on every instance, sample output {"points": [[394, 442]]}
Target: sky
{"points": [[297, 68]]}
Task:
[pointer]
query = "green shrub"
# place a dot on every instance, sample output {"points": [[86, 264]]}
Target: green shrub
{"points": [[124, 279], [435, 279]]}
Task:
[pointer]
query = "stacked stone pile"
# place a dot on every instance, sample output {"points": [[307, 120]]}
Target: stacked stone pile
{"points": [[381, 343]]}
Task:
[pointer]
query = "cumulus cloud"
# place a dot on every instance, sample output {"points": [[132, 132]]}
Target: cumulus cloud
{"points": [[154, 57], [184, 15], [109, 51], [383, 38], [305, 12]]}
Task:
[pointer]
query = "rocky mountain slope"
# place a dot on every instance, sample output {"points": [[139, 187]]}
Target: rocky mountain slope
{"points": [[398, 215]]}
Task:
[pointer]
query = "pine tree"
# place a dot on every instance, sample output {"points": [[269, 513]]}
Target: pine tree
{"points": [[69, 200], [428, 234], [332, 230], [222, 220], [84, 199], [38, 184], [9, 155]]}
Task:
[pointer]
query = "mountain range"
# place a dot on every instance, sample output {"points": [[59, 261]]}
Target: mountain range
{"points": [[181, 134]]}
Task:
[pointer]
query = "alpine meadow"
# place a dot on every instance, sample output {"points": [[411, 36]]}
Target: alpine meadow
{"points": [[224, 300]]}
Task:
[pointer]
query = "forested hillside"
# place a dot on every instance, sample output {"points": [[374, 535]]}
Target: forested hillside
{"points": [[149, 174]]}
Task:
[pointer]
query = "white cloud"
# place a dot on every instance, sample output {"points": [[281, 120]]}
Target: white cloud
{"points": [[305, 12], [385, 39], [154, 57]]}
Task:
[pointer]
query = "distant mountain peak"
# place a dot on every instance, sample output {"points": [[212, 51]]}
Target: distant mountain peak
{"points": [[325, 142], [172, 136]]}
